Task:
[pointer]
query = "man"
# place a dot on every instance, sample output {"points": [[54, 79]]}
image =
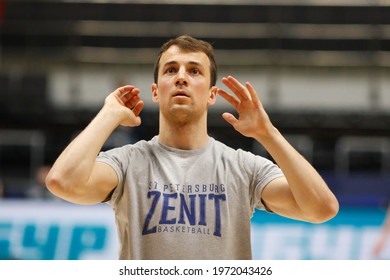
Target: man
{"points": [[184, 195]]}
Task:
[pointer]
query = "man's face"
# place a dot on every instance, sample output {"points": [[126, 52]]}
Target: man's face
{"points": [[183, 83]]}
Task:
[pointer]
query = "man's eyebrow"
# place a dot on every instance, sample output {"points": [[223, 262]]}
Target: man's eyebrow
{"points": [[174, 62], [195, 63]]}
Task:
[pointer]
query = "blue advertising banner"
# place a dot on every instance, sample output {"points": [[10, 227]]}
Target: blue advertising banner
{"points": [[42, 230]]}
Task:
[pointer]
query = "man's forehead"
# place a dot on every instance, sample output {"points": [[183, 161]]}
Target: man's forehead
{"points": [[177, 55]]}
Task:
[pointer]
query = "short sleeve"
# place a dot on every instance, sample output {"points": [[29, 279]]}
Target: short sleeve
{"points": [[264, 171]]}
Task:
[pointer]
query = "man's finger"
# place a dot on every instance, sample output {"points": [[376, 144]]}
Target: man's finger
{"points": [[229, 98], [240, 90], [230, 118], [138, 108]]}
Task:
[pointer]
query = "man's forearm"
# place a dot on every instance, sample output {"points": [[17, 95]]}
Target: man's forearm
{"points": [[309, 190], [74, 165]]}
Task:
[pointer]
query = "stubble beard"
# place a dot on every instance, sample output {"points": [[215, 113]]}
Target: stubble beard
{"points": [[182, 115]]}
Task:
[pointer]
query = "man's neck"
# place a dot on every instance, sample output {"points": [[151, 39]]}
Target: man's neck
{"points": [[185, 137]]}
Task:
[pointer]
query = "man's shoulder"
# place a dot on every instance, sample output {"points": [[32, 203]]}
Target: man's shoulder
{"points": [[228, 151], [141, 146], [225, 147]]}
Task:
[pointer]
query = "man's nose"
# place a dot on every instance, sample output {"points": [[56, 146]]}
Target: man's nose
{"points": [[181, 77]]}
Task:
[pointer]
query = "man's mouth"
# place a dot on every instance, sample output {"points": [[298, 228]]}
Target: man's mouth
{"points": [[180, 94]]}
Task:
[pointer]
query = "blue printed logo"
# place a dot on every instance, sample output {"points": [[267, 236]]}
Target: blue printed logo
{"points": [[194, 209]]}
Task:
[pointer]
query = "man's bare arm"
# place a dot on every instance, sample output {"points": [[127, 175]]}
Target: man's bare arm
{"points": [[76, 176], [302, 194]]}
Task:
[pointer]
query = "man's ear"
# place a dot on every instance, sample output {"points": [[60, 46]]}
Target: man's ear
{"points": [[213, 95], [154, 93]]}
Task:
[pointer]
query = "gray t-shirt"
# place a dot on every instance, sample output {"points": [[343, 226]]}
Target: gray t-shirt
{"points": [[186, 204]]}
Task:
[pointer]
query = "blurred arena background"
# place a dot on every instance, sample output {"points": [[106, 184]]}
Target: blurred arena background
{"points": [[321, 68]]}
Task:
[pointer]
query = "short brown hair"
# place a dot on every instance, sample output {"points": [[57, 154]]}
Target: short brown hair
{"points": [[188, 43]]}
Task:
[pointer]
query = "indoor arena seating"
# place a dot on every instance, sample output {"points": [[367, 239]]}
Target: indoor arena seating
{"points": [[320, 67]]}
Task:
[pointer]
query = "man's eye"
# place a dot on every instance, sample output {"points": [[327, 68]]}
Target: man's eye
{"points": [[171, 70], [195, 71]]}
